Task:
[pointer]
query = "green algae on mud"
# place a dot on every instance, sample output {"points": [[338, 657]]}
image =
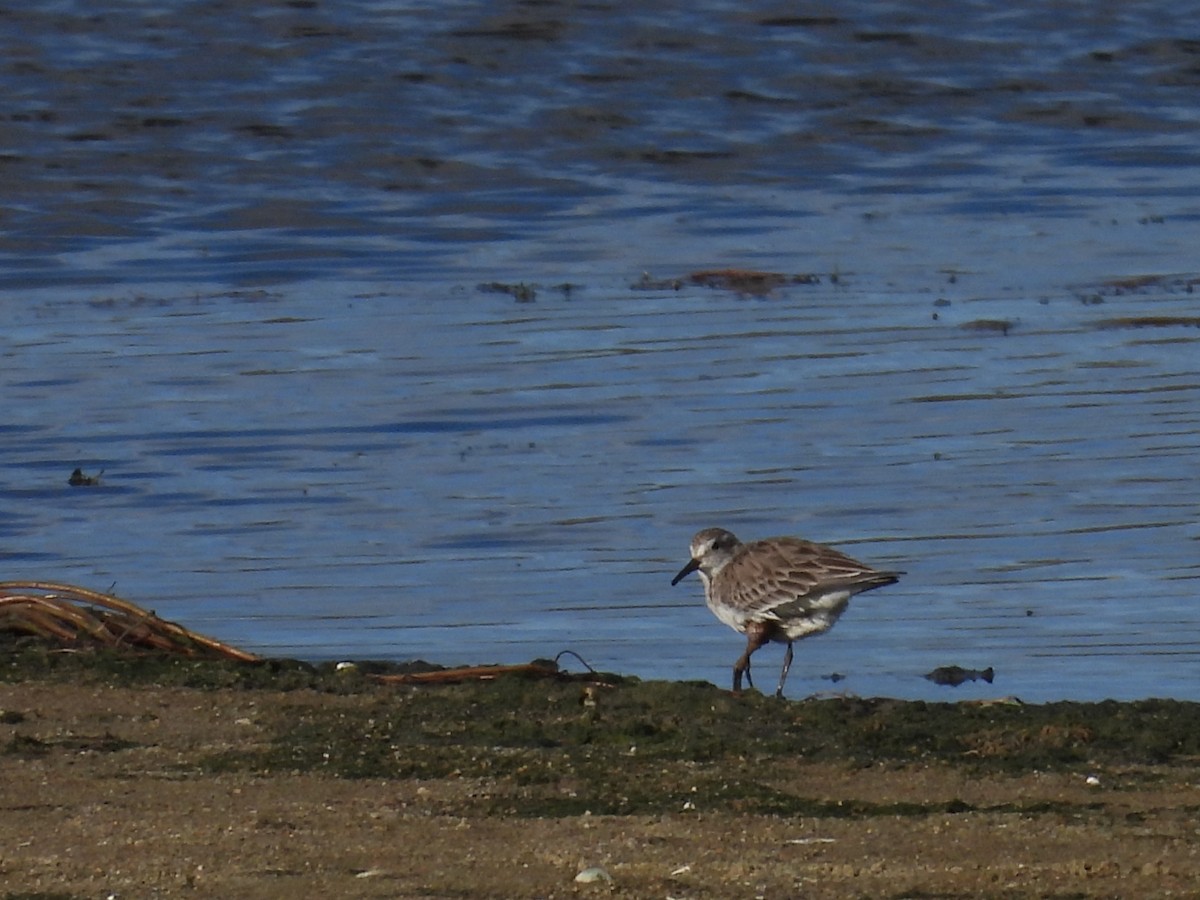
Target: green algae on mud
{"points": [[549, 747], [31, 658], [470, 727], [539, 748]]}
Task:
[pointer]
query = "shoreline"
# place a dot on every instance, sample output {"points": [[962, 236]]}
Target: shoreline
{"points": [[151, 776]]}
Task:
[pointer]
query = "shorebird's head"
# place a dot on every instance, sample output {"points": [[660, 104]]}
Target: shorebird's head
{"points": [[711, 549]]}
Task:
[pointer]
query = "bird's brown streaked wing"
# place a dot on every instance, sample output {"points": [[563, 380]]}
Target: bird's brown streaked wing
{"points": [[783, 571]]}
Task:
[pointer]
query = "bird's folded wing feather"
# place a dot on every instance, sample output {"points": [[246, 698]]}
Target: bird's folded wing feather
{"points": [[788, 572]]}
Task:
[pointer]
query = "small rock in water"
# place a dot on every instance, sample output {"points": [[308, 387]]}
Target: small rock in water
{"points": [[953, 676], [78, 479]]}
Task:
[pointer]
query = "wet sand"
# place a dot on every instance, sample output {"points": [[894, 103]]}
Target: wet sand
{"points": [[145, 778]]}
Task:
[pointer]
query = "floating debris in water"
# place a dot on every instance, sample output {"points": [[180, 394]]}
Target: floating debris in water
{"points": [[522, 293], [747, 282], [78, 479], [953, 676], [1150, 322], [998, 326], [649, 283]]}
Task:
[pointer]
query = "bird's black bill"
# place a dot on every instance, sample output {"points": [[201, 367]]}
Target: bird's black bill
{"points": [[687, 570]]}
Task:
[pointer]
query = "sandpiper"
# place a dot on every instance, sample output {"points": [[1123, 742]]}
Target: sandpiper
{"points": [[778, 589]]}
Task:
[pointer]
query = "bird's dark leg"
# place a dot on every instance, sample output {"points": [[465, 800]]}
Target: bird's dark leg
{"points": [[787, 664], [756, 636]]}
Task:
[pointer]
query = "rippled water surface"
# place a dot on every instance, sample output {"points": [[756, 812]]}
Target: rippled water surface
{"points": [[379, 321]]}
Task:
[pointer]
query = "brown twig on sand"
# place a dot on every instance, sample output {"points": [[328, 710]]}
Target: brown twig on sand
{"points": [[73, 615], [539, 668], [468, 673]]}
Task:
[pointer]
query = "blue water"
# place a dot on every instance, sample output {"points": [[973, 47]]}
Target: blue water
{"points": [[253, 261]]}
